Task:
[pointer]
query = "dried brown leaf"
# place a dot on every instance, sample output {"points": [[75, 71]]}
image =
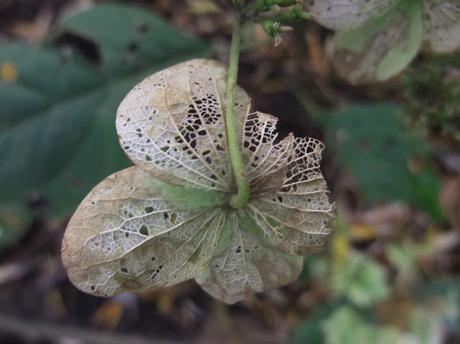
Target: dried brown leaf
{"points": [[168, 220]]}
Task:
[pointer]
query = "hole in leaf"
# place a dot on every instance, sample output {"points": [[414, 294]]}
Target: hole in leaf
{"points": [[143, 28], [132, 47], [86, 47], [144, 230]]}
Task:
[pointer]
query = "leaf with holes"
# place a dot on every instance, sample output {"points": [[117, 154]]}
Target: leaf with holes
{"points": [[381, 48], [168, 218], [377, 39], [57, 114]]}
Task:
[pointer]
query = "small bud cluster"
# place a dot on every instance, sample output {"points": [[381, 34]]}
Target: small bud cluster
{"points": [[276, 16]]}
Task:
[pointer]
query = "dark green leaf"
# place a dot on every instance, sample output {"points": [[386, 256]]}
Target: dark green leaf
{"points": [[12, 224], [432, 96], [311, 330], [57, 120], [131, 40], [374, 144]]}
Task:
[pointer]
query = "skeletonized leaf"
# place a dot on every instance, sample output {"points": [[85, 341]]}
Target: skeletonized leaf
{"points": [[441, 22], [258, 251], [245, 264], [344, 15], [171, 124], [263, 156], [298, 217], [382, 48], [132, 233], [168, 220]]}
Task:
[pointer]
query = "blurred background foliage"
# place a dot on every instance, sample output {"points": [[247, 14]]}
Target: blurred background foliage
{"points": [[390, 273]]}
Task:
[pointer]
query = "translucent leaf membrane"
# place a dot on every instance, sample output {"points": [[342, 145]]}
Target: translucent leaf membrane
{"points": [[171, 124], [298, 217], [381, 48], [247, 265], [344, 15], [377, 39], [263, 156], [168, 219], [276, 226], [126, 235], [441, 22]]}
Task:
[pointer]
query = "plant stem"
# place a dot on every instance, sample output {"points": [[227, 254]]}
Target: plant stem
{"points": [[239, 199]]}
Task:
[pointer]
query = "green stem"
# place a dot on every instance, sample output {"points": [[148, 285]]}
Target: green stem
{"points": [[240, 199]]}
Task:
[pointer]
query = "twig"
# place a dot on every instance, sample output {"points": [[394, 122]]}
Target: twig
{"points": [[239, 199]]}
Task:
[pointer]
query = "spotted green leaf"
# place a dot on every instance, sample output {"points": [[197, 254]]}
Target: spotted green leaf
{"points": [[57, 115]]}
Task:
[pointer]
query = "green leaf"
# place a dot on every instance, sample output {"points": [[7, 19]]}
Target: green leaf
{"points": [[346, 326], [310, 330], [132, 40], [44, 116], [361, 280], [432, 95], [57, 134], [425, 325], [373, 143], [12, 229], [402, 258]]}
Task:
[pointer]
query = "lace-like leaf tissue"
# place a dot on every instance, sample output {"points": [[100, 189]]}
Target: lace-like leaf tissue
{"points": [[441, 20], [168, 219], [343, 15]]}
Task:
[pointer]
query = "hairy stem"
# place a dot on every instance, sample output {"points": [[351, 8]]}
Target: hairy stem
{"points": [[240, 199]]}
